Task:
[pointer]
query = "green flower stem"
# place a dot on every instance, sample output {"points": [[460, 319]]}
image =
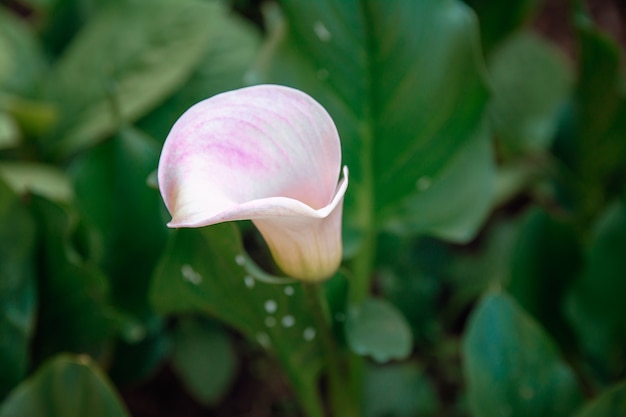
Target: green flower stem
{"points": [[307, 394], [342, 403]]}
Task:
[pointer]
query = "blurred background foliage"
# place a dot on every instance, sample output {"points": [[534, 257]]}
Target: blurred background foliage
{"points": [[484, 227]]}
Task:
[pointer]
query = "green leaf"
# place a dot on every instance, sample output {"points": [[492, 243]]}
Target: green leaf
{"points": [[546, 259], [410, 276], [398, 390], [204, 359], [456, 205], [597, 309], [123, 215], [22, 62], [229, 54], [512, 368], [593, 146], [611, 403], [483, 266], [530, 81], [123, 63], [499, 19], [74, 312], [42, 179], [600, 80], [17, 288], [66, 386], [9, 132], [202, 271], [376, 328], [401, 79]]}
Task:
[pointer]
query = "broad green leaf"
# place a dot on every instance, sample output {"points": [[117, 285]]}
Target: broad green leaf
{"points": [[597, 308], [377, 329], [456, 205], [611, 403], [9, 132], [600, 80], [202, 271], [399, 390], [17, 288], [230, 52], [594, 147], [124, 215], [483, 267], [65, 386], [124, 62], [22, 62], [204, 359], [411, 277], [33, 117], [402, 80], [512, 368], [43, 179], [499, 19], [545, 262], [73, 313], [530, 82], [140, 351]]}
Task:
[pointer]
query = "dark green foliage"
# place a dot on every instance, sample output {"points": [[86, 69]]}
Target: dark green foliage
{"points": [[484, 224]]}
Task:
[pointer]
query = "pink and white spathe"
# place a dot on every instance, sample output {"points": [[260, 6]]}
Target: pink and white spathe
{"points": [[270, 154]]}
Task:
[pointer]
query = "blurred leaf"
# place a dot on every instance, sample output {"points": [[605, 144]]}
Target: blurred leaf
{"points": [[376, 328], [530, 81], [545, 263], [597, 308], [33, 117], [512, 367], [140, 351], [124, 215], [204, 359], [611, 403], [46, 180], [456, 205], [9, 132], [229, 54], [201, 271], [17, 288], [401, 79], [398, 390], [482, 267], [499, 19], [74, 314], [66, 386], [22, 63], [594, 147], [410, 276], [123, 63], [599, 81]]}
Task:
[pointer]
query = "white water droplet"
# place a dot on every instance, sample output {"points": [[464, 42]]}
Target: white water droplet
{"points": [[271, 306], [289, 290], [288, 321], [322, 32], [270, 321], [263, 339], [240, 259], [190, 275], [249, 281], [308, 334], [423, 183]]}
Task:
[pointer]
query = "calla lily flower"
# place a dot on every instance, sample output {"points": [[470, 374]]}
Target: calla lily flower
{"points": [[270, 154]]}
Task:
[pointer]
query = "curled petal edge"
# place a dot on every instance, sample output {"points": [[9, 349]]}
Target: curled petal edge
{"points": [[305, 243]]}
